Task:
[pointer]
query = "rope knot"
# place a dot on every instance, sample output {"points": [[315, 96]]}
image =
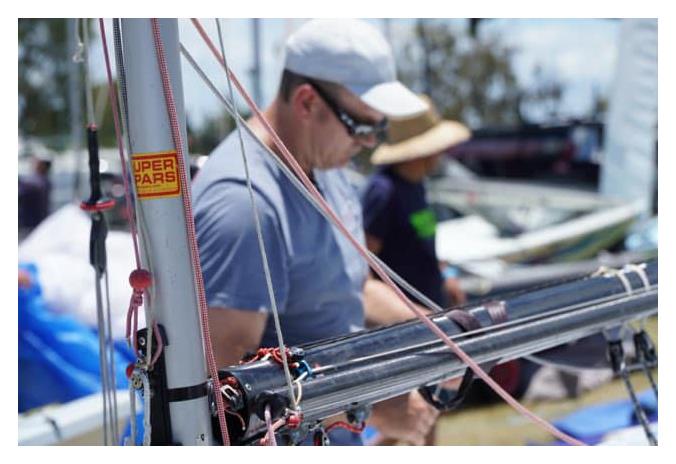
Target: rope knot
{"points": [[137, 298], [140, 279]]}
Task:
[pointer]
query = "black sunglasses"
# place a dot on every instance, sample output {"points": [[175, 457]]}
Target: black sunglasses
{"points": [[354, 128]]}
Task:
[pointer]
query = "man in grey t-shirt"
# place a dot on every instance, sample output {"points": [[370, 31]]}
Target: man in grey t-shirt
{"points": [[337, 89]]}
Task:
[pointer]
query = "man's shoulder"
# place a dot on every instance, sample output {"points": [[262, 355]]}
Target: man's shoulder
{"points": [[225, 166]]}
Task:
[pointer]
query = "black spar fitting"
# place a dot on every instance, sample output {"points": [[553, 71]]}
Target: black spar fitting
{"points": [[348, 374]]}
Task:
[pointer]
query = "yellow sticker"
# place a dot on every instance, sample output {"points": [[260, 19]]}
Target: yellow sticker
{"points": [[156, 175]]}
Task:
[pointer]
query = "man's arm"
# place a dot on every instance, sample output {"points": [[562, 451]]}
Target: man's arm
{"points": [[234, 332], [382, 306], [407, 418]]}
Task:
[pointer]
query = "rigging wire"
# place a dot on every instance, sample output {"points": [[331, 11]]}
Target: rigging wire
{"points": [[617, 358], [378, 270], [259, 232], [131, 439], [124, 124], [95, 205], [111, 364], [616, 353], [646, 355], [89, 92], [123, 163]]}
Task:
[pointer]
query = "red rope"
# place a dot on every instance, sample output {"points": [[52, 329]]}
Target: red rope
{"points": [[190, 225], [344, 425], [274, 353], [291, 161]]}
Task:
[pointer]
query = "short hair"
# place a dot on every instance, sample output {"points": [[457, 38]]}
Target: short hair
{"points": [[290, 80]]}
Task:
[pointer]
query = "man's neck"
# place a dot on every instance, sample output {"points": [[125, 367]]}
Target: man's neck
{"points": [[282, 123]]}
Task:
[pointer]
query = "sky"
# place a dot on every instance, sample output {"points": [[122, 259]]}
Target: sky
{"points": [[580, 52]]}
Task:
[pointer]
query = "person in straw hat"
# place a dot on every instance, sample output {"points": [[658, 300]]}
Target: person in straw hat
{"points": [[400, 226]]}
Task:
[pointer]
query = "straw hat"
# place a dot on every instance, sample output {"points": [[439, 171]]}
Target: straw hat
{"points": [[419, 136]]}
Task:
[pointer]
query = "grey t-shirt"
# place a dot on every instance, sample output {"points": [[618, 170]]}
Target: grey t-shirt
{"points": [[317, 275]]}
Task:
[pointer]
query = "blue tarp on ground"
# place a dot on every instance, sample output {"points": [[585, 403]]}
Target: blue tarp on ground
{"points": [[593, 423], [58, 355]]}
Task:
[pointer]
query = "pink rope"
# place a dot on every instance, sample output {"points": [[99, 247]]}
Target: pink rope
{"points": [[132, 318], [139, 279], [289, 158], [190, 225], [132, 327], [269, 438]]}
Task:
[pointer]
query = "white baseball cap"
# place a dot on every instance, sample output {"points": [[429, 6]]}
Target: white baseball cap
{"points": [[354, 54]]}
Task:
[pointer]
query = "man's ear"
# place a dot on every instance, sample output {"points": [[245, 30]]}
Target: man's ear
{"points": [[303, 99]]}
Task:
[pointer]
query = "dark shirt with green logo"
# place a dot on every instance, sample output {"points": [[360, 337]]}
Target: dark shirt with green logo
{"points": [[396, 212]]}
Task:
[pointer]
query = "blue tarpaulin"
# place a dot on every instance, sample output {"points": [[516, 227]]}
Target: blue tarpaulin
{"points": [[592, 423], [58, 355]]}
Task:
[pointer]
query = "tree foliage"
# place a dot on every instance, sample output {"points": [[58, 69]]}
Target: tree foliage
{"points": [[472, 79], [43, 77], [210, 133]]}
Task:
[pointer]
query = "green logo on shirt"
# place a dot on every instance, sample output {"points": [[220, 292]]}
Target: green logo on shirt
{"points": [[424, 222]]}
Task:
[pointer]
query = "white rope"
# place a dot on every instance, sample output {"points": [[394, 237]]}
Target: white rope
{"points": [[103, 365], [619, 274], [146, 407], [106, 346], [131, 440], [299, 385], [78, 56], [639, 269], [271, 440], [89, 94], [259, 232], [110, 351]]}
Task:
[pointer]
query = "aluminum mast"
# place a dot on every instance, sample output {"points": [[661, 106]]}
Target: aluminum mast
{"points": [[162, 226]]}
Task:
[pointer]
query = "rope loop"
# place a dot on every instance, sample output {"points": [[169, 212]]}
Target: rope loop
{"points": [[140, 280]]}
